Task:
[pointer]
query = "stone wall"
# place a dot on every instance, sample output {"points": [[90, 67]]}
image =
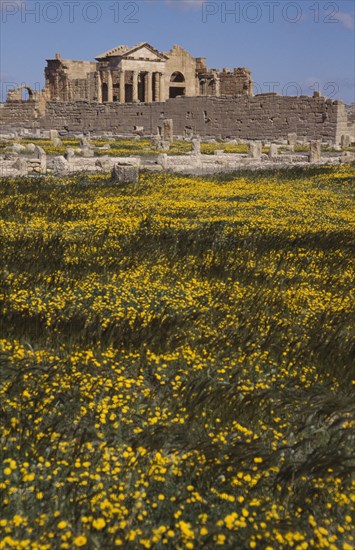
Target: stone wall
{"points": [[259, 117], [350, 111], [264, 116], [20, 114], [236, 83]]}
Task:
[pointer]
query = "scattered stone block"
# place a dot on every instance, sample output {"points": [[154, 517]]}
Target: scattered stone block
{"points": [[69, 154], [105, 163], [139, 131], [255, 150], [168, 129], [105, 147], [18, 148], [164, 134], [347, 157], [87, 152], [345, 141], [125, 173], [315, 151], [163, 160], [57, 142], [21, 166], [60, 165], [196, 145], [83, 142], [30, 148], [273, 151], [53, 134], [292, 139], [10, 155], [42, 157]]}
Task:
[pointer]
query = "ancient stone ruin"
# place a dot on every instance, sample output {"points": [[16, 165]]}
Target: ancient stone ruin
{"points": [[141, 74], [131, 90]]}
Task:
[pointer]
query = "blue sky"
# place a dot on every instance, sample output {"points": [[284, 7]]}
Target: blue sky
{"points": [[291, 47]]}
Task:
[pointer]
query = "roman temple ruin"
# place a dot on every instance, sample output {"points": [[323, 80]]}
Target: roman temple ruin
{"points": [[130, 88]]}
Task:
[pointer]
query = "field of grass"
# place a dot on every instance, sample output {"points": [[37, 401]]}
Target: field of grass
{"points": [[122, 147], [177, 361]]}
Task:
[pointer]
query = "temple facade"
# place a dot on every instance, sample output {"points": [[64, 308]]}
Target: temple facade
{"points": [[141, 74]]}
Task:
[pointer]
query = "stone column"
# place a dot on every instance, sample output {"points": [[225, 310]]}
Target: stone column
{"points": [[218, 86], [122, 87], [109, 87], [65, 90], [69, 91], [99, 87], [149, 84], [56, 88], [161, 88], [156, 86], [145, 76], [135, 87]]}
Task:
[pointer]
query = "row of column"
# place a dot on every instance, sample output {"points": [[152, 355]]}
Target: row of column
{"points": [[148, 86]]}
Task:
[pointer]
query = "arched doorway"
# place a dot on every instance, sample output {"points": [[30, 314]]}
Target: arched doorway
{"points": [[177, 85], [26, 93], [22, 93]]}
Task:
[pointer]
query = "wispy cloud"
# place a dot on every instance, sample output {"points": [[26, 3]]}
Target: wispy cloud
{"points": [[185, 4], [346, 19]]}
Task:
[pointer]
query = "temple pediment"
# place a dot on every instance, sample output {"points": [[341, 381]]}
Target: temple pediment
{"points": [[142, 50]]}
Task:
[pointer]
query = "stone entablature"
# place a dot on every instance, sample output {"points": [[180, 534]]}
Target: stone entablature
{"points": [[141, 74]]}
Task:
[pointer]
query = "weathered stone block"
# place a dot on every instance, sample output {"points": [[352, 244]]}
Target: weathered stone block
{"points": [[163, 160], [196, 145], [255, 150], [345, 141], [292, 136], [87, 152], [315, 151], [69, 154], [21, 166], [53, 134], [30, 148], [57, 142], [125, 173], [168, 129], [105, 163], [18, 148], [273, 151], [41, 155], [60, 165]]}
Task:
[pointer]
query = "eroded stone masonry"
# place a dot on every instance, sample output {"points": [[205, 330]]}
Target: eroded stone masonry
{"points": [[130, 88]]}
